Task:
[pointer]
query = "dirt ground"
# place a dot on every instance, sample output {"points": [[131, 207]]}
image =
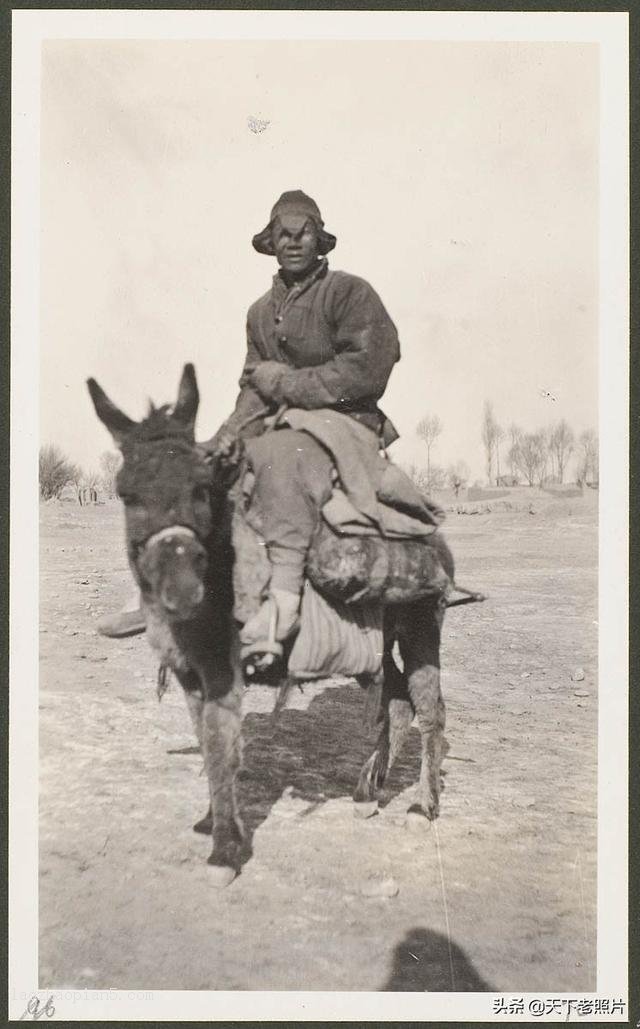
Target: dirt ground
{"points": [[499, 894]]}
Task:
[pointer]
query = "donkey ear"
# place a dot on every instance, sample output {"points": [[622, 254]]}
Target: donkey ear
{"points": [[117, 422], [186, 406]]}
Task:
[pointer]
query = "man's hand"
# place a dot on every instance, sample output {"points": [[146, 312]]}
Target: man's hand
{"points": [[266, 379], [225, 447]]}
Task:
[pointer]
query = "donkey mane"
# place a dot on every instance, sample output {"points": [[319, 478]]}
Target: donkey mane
{"points": [[161, 424]]}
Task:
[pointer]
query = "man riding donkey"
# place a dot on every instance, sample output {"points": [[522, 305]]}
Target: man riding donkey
{"points": [[317, 341]]}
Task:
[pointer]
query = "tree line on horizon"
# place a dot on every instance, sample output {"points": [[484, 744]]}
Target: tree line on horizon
{"points": [[57, 473], [512, 455]]}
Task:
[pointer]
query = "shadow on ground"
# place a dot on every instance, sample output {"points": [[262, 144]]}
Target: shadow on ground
{"points": [[318, 752], [425, 961]]}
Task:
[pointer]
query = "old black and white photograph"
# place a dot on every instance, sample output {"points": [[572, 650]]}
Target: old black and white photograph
{"points": [[319, 388]]}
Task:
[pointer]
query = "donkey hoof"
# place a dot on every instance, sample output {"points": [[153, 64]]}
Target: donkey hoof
{"points": [[417, 819], [204, 826], [221, 875], [365, 808]]}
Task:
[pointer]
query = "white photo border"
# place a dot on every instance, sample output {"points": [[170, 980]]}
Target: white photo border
{"points": [[30, 29]]}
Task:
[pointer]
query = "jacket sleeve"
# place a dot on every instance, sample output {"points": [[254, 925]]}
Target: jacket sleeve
{"points": [[366, 349], [249, 402]]}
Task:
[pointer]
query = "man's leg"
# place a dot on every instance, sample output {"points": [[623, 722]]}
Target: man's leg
{"points": [[292, 482]]}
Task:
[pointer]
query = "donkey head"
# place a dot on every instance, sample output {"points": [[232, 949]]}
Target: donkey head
{"points": [[165, 485]]}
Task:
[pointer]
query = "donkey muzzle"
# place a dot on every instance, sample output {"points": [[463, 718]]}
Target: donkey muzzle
{"points": [[182, 598], [173, 563]]}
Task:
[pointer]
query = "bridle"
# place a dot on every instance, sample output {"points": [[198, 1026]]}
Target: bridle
{"points": [[170, 533]]}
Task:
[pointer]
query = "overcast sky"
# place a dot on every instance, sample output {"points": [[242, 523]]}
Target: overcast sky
{"points": [[460, 179]]}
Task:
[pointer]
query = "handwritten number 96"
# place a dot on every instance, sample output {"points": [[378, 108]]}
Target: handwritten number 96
{"points": [[35, 1009]]}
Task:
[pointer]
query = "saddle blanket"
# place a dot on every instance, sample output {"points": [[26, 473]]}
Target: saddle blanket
{"points": [[375, 495]]}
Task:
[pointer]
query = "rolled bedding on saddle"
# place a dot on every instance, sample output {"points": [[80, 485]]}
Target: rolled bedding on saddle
{"points": [[336, 639]]}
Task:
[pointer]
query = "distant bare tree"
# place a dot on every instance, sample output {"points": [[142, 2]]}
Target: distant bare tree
{"points": [[489, 426], [428, 430], [546, 434], [418, 477], [595, 463], [458, 476], [55, 471], [78, 482], [436, 478], [515, 435], [588, 465], [110, 462], [499, 435], [542, 437], [426, 482], [551, 454], [88, 491], [530, 456], [561, 443]]}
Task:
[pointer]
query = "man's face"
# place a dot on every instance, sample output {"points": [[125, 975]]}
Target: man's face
{"points": [[295, 242]]}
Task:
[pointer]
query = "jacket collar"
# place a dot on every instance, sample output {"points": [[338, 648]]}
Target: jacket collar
{"points": [[282, 291]]}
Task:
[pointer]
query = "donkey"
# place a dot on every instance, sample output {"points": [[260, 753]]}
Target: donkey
{"points": [[178, 527]]}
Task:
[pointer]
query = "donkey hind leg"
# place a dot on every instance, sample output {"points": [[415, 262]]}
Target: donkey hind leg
{"points": [[419, 640], [222, 751], [193, 697], [398, 712]]}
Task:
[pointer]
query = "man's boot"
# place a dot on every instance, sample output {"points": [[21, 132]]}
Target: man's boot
{"points": [[263, 638], [278, 617], [276, 620], [130, 621]]}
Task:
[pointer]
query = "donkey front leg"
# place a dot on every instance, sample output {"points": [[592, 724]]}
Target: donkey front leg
{"points": [[195, 704], [222, 749], [420, 649]]}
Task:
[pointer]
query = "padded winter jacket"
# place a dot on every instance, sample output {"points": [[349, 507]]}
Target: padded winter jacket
{"points": [[326, 341]]}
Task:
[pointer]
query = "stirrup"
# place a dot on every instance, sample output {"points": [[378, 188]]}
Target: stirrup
{"points": [[263, 660]]}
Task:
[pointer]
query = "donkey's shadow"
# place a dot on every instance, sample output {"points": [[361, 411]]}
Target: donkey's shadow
{"points": [[319, 752]]}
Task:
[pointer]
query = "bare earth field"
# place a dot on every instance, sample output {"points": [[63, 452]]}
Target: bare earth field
{"points": [[499, 894]]}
